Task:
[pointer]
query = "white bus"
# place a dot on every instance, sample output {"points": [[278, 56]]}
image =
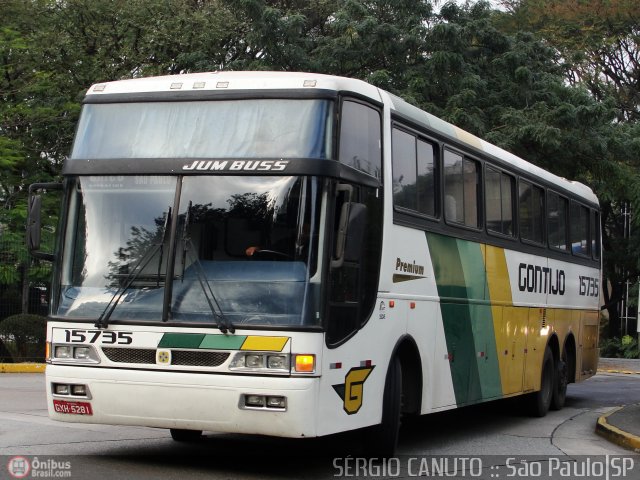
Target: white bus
{"points": [[296, 255]]}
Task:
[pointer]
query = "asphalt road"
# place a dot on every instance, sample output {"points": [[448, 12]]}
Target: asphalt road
{"points": [[497, 428]]}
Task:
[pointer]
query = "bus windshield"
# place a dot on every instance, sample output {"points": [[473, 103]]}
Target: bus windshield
{"points": [[267, 128], [248, 245]]}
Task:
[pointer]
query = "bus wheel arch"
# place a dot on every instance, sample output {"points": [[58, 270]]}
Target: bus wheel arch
{"points": [[407, 352], [402, 394]]}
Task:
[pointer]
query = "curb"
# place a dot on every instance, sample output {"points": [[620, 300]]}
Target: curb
{"points": [[614, 434], [22, 367], [625, 372]]}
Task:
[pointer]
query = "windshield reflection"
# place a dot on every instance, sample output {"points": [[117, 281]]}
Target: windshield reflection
{"points": [[251, 242]]}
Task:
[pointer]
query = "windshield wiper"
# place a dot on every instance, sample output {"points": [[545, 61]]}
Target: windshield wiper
{"points": [[138, 268], [223, 323]]}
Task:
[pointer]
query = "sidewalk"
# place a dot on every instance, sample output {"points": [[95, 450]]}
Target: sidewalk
{"points": [[621, 425]]}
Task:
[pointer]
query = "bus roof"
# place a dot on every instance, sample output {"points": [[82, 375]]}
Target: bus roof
{"points": [[258, 80], [226, 81]]}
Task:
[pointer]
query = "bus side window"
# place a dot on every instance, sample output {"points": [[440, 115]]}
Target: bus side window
{"points": [[531, 203], [360, 138], [557, 212], [461, 182], [499, 201], [414, 173], [595, 235], [579, 229]]}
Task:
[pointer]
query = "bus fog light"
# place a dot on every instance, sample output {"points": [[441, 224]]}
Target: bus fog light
{"points": [[277, 361], [60, 389], [254, 401], [79, 390], [254, 361], [63, 351], [276, 402]]}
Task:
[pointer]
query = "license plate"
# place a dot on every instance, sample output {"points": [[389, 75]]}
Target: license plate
{"points": [[73, 408]]}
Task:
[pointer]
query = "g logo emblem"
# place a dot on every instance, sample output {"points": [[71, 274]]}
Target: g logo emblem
{"points": [[352, 390]]}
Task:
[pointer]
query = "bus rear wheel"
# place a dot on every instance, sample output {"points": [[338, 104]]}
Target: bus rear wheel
{"points": [[540, 401], [381, 441], [560, 384], [181, 435]]}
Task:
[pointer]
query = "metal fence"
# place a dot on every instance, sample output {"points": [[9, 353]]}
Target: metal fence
{"points": [[22, 340]]}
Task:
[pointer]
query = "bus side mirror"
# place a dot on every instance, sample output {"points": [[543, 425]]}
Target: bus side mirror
{"points": [[350, 237], [34, 220], [34, 224]]}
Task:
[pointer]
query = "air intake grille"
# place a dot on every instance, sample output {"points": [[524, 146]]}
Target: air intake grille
{"points": [[130, 355], [178, 357], [198, 359]]}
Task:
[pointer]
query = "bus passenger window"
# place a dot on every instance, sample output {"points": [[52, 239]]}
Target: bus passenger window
{"points": [[595, 235], [413, 162], [499, 208], [460, 189], [426, 178], [404, 170], [579, 229], [360, 138], [557, 221], [531, 208]]}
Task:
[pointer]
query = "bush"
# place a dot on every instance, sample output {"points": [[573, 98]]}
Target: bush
{"points": [[627, 347], [24, 336]]}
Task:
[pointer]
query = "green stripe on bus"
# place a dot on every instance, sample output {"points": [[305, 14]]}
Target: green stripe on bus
{"points": [[223, 342], [467, 319], [181, 340], [481, 316], [456, 320], [201, 341]]}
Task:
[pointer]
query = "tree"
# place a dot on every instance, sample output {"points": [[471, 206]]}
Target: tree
{"points": [[599, 43]]}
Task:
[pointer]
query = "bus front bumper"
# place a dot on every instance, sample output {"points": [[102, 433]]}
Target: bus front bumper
{"points": [[182, 400]]}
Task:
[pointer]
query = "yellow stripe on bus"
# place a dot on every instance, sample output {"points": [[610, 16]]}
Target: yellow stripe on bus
{"points": [[265, 344], [507, 320]]}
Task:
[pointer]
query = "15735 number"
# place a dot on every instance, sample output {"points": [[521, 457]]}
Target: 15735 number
{"points": [[93, 336]]}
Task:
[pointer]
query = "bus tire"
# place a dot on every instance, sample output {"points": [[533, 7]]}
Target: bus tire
{"points": [[560, 385], [381, 441], [181, 435], [540, 401]]}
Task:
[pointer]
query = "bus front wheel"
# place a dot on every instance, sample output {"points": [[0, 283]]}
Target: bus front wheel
{"points": [[381, 441]]}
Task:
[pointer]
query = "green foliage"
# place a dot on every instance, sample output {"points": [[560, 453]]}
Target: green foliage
{"points": [[627, 347], [24, 336]]}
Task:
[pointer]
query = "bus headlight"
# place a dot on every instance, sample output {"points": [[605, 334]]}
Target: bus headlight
{"points": [[74, 354], [63, 351], [259, 362], [280, 362]]}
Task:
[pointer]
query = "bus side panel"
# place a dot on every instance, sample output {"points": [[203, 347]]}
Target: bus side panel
{"points": [[407, 277], [353, 374], [589, 344], [461, 278], [536, 342], [510, 323]]}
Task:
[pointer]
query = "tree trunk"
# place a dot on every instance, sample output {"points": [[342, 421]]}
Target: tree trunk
{"points": [[612, 300], [25, 288]]}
